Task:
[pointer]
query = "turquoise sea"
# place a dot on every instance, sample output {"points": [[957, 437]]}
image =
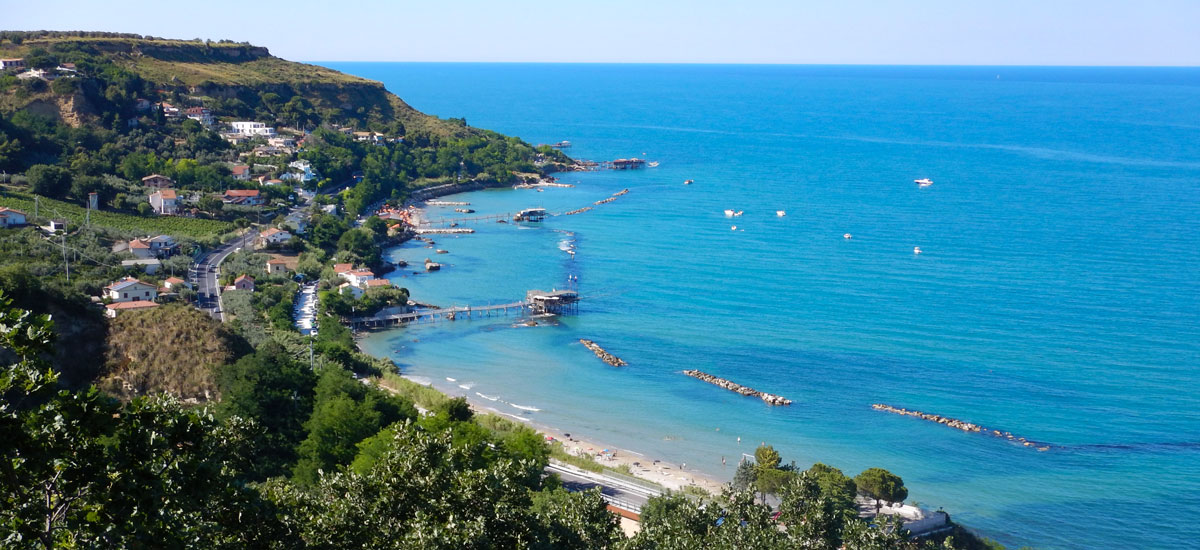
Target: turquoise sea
{"points": [[1057, 295]]}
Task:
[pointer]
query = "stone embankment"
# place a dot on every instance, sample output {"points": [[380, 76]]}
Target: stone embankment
{"points": [[770, 398], [621, 192], [605, 201], [577, 211], [960, 425], [603, 355]]}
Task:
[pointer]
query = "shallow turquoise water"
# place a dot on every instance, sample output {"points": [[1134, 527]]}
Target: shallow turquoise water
{"points": [[1058, 294]]}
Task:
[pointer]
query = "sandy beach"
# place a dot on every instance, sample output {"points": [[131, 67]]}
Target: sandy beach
{"points": [[669, 475]]}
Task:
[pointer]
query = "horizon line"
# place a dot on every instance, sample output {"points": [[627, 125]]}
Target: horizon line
{"points": [[753, 63]]}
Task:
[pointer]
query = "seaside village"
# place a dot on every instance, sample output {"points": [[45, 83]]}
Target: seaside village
{"points": [[288, 254]]}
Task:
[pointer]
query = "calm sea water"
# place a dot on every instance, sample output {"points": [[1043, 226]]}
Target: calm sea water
{"points": [[1058, 295]]}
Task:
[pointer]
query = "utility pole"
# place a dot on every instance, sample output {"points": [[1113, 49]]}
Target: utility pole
{"points": [[64, 251], [35, 206]]}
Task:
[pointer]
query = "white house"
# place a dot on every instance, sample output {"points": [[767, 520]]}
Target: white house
{"points": [[304, 171], [6, 64], [272, 236], [139, 248], [249, 128], [164, 201], [240, 172], [201, 115], [130, 289], [281, 141], [277, 266], [11, 218], [358, 277], [173, 284], [298, 221], [354, 291]]}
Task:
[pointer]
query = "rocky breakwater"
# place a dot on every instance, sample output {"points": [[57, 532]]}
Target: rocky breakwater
{"points": [[770, 398], [602, 354], [961, 425]]}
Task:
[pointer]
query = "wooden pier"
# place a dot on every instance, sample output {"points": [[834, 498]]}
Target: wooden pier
{"points": [[536, 302]]}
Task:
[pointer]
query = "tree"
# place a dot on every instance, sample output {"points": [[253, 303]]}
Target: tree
{"points": [[273, 390], [145, 209], [835, 485], [744, 477], [48, 180], [575, 520], [881, 485], [210, 204]]}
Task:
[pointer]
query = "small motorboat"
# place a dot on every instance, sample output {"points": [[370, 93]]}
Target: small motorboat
{"points": [[652, 164], [738, 213], [730, 213], [923, 182], [780, 213], [688, 182], [734, 228], [916, 250], [847, 236]]}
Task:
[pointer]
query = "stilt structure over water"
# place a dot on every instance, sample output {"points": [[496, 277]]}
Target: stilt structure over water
{"points": [[536, 302]]}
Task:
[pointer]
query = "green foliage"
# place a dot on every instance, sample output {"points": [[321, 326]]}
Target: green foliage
{"points": [[345, 413], [745, 475], [575, 520], [274, 391], [836, 486], [49, 181], [881, 485], [121, 224]]}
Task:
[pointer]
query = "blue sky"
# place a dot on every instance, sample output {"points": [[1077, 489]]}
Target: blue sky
{"points": [[967, 32]]}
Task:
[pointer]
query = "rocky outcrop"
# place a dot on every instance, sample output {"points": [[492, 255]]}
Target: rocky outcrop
{"points": [[960, 425], [770, 398], [602, 354]]}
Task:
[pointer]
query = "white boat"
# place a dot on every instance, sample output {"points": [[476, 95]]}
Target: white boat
{"points": [[780, 213], [923, 182], [729, 213], [738, 213], [916, 250], [652, 164], [688, 182], [847, 236]]}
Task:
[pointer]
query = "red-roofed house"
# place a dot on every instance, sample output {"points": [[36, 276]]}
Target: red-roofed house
{"points": [[358, 277], [378, 283], [157, 180], [140, 248], [120, 307], [343, 268], [175, 283], [164, 201], [241, 172], [11, 218], [244, 282], [272, 236], [277, 266], [130, 289], [248, 197]]}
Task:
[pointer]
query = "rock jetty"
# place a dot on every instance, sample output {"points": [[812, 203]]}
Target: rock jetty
{"points": [[605, 201], [603, 355], [577, 211], [621, 192], [961, 425], [770, 398]]}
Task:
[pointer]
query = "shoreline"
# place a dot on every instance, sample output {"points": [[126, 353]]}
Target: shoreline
{"points": [[671, 476], [674, 477]]}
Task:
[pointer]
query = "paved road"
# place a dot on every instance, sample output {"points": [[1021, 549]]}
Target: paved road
{"points": [[618, 492], [203, 274]]}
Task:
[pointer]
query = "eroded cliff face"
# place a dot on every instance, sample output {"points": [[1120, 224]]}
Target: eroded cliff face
{"points": [[74, 110]]}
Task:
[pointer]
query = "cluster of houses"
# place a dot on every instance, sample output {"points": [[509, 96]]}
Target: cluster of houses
{"points": [[357, 281], [147, 252], [18, 64]]}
